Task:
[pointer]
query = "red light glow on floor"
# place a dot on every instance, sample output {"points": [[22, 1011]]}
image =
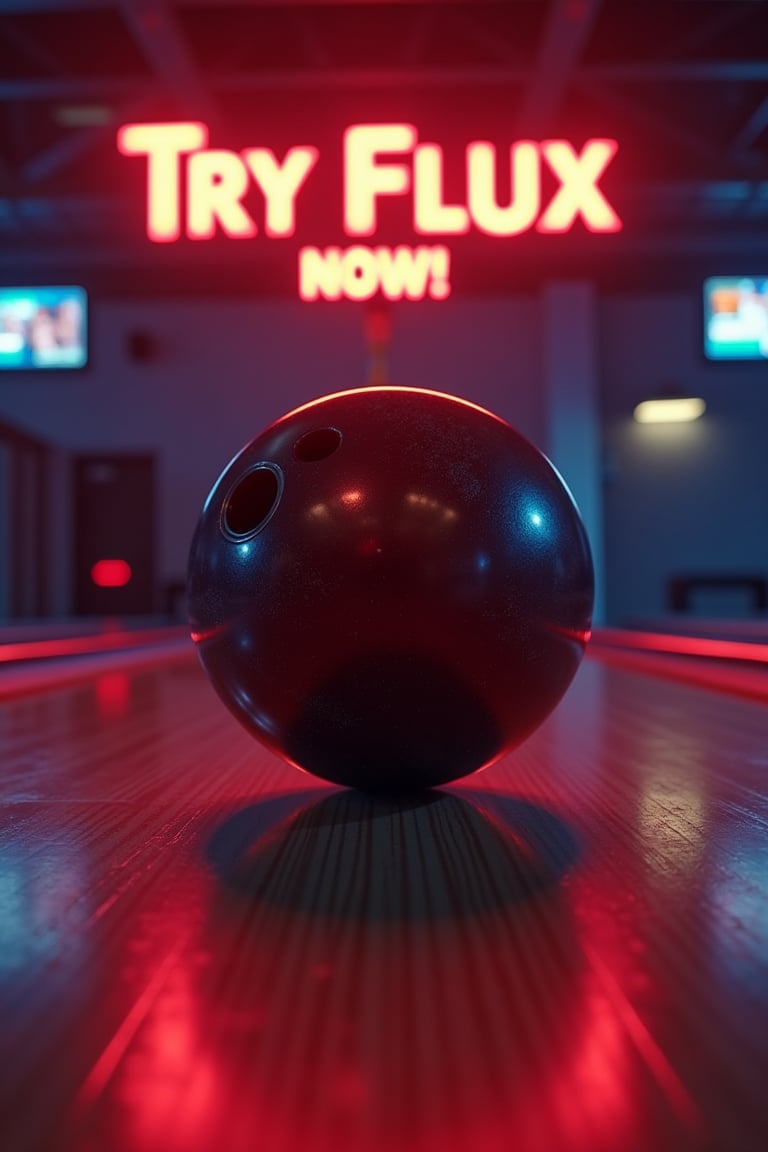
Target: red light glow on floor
{"points": [[113, 693]]}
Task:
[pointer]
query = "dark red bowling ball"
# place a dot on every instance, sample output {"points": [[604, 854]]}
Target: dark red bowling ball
{"points": [[390, 587]]}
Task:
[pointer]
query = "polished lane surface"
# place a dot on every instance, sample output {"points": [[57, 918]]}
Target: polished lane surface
{"points": [[202, 948]]}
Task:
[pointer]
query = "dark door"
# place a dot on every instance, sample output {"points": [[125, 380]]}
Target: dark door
{"points": [[114, 500]]}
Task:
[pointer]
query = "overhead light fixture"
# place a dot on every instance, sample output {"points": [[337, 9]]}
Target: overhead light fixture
{"points": [[670, 410], [669, 406], [83, 115]]}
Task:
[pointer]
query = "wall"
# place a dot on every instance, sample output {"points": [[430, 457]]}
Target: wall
{"points": [[222, 370], [678, 498], [691, 497]]}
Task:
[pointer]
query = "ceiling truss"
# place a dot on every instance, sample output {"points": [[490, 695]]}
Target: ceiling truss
{"points": [[574, 48]]}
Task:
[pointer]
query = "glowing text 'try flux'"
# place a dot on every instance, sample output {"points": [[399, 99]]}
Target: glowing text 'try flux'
{"points": [[218, 179]]}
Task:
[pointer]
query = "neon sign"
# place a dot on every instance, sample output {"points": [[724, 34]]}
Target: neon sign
{"points": [[197, 191]]}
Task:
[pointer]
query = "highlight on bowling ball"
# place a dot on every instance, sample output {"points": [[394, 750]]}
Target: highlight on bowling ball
{"points": [[390, 588]]}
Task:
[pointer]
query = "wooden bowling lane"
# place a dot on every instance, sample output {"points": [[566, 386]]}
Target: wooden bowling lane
{"points": [[202, 949]]}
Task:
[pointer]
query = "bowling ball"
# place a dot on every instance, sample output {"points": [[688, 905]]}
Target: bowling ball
{"points": [[390, 587]]}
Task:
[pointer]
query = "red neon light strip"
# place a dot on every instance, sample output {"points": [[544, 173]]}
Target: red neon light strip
{"points": [[84, 645], [683, 645], [24, 679]]}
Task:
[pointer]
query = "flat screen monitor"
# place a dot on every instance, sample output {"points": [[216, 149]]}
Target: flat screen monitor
{"points": [[736, 318], [43, 327]]}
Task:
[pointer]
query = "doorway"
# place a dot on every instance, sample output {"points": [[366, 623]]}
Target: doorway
{"points": [[114, 504]]}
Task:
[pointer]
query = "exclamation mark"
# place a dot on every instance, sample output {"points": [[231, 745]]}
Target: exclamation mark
{"points": [[440, 269]]}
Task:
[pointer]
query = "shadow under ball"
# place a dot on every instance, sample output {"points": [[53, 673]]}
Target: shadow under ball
{"points": [[390, 588]]}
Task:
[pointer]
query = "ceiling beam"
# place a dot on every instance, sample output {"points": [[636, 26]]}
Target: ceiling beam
{"points": [[633, 110], [475, 29], [25, 44], [725, 71], [24, 6], [305, 29], [68, 88], [73, 144], [332, 79], [64, 152], [566, 32], [320, 79], [154, 27], [752, 127], [729, 240], [88, 216], [659, 202], [705, 31], [736, 71]]}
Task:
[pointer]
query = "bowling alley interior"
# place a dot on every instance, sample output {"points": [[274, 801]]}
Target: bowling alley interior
{"points": [[383, 576]]}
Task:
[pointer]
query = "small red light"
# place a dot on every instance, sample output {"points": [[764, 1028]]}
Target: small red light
{"points": [[111, 573]]}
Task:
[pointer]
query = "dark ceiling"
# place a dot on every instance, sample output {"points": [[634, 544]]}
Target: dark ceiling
{"points": [[681, 84]]}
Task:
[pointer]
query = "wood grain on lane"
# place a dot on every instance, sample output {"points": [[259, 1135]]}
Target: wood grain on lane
{"points": [[202, 948]]}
